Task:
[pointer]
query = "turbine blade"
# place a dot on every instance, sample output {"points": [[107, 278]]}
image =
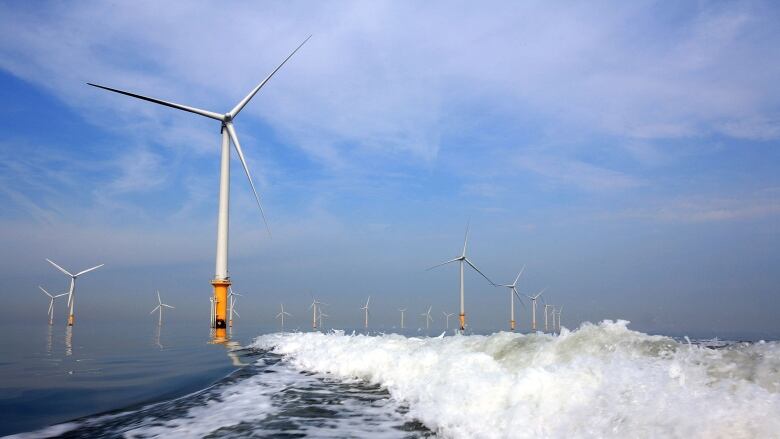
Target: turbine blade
{"points": [[443, 263], [237, 109], [236, 313], [89, 269], [51, 305], [158, 297], [234, 138], [155, 309], [483, 274], [45, 292], [60, 295], [466, 239], [59, 268], [206, 113], [518, 275], [369, 300], [168, 306]]}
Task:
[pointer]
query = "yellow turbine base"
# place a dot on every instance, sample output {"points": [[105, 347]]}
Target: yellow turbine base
{"points": [[462, 321], [71, 319], [512, 325], [220, 298]]}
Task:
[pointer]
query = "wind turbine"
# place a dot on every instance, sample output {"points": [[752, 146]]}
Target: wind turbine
{"points": [[51, 303], [282, 314], [545, 316], [365, 308], [322, 316], [513, 292], [72, 289], [559, 318], [232, 298], [221, 280], [314, 307], [160, 306], [428, 318], [463, 261], [447, 316], [403, 310], [533, 308]]}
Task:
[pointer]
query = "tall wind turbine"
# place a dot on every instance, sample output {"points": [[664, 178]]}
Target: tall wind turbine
{"points": [[428, 318], [322, 318], [533, 308], [315, 305], [463, 262], [232, 298], [72, 289], [545, 316], [403, 310], [447, 316], [51, 303], [512, 293], [221, 280], [160, 306], [365, 308], [282, 314]]}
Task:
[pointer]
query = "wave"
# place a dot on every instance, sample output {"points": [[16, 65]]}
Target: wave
{"points": [[601, 380]]}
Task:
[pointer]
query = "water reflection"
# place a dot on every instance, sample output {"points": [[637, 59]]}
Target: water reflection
{"points": [[68, 341]]}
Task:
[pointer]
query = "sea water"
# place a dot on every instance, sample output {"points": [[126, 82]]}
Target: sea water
{"points": [[600, 380]]}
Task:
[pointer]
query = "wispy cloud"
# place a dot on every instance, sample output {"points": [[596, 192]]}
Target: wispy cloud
{"points": [[577, 174]]}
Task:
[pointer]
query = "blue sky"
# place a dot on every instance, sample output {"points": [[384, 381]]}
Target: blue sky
{"points": [[626, 154]]}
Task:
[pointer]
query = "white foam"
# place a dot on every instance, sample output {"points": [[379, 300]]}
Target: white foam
{"points": [[598, 381]]}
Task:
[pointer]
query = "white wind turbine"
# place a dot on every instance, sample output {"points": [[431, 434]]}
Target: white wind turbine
{"points": [[463, 261], [428, 318], [51, 303], [322, 316], [365, 308], [221, 278], [282, 314], [533, 308], [232, 298], [513, 292], [545, 316], [447, 316], [72, 289], [160, 306], [315, 305], [403, 310]]}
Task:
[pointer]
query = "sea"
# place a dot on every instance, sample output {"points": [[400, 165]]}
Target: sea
{"points": [[601, 380]]}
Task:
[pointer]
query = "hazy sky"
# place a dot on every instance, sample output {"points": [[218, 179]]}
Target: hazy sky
{"points": [[627, 153]]}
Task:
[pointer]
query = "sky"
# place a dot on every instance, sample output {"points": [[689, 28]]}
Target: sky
{"points": [[626, 153]]}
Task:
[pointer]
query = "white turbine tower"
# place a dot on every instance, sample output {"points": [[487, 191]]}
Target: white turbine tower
{"points": [[365, 308], [232, 298], [160, 306], [545, 316], [428, 318], [512, 293], [72, 289], [51, 303], [533, 308], [463, 262], [447, 316], [221, 277], [559, 318], [282, 314], [403, 310], [315, 305]]}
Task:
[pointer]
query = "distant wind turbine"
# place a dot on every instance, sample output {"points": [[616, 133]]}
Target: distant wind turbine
{"points": [[282, 314], [447, 316], [232, 298], [463, 262], [365, 308], [221, 278], [160, 306], [512, 293], [403, 310], [533, 308], [51, 303], [322, 316], [428, 318], [72, 289], [315, 305], [560, 310], [545, 316]]}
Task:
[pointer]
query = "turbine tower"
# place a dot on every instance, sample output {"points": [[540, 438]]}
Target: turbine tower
{"points": [[559, 318], [51, 303], [533, 308], [315, 305], [428, 318], [513, 292], [403, 310], [232, 298], [365, 308], [160, 306], [545, 316], [463, 262], [221, 280], [72, 289], [282, 314], [447, 316]]}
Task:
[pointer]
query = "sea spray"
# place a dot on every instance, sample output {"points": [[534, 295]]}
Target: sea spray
{"points": [[597, 381]]}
